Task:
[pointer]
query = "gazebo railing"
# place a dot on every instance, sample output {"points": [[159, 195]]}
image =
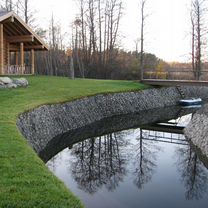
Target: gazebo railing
{"points": [[17, 69]]}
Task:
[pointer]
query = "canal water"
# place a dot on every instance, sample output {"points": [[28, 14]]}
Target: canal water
{"points": [[150, 166]]}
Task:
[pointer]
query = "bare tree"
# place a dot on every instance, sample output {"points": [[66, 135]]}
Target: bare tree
{"points": [[92, 39], [83, 31], [198, 12], [193, 44], [26, 11], [77, 46], [71, 75], [136, 47], [56, 61], [9, 5], [98, 34], [115, 16], [143, 17]]}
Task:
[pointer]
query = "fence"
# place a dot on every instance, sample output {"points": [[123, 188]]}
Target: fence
{"points": [[18, 69], [173, 74]]}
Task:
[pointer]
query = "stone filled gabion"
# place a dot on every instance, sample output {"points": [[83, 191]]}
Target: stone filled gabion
{"points": [[44, 123], [197, 130], [6, 82]]}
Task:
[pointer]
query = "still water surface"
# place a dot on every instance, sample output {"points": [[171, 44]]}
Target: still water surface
{"points": [[143, 167]]}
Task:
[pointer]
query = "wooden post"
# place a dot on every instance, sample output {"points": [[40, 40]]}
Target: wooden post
{"points": [[8, 54], [22, 58], [32, 61], [1, 49], [17, 58]]}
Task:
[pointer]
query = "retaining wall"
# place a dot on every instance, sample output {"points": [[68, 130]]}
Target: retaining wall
{"points": [[42, 124]]}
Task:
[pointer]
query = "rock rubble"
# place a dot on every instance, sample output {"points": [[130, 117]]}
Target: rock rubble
{"points": [[6, 82]]}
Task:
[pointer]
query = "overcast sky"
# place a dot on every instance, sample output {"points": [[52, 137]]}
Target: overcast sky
{"points": [[167, 27]]}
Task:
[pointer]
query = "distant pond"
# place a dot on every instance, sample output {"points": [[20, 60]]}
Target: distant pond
{"points": [[148, 166]]}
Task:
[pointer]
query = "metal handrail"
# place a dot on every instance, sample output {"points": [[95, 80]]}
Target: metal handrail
{"points": [[176, 74]]}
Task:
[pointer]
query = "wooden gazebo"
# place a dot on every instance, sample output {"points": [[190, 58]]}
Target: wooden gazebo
{"points": [[16, 38]]}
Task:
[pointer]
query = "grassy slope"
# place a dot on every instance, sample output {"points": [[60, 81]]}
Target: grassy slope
{"points": [[24, 179]]}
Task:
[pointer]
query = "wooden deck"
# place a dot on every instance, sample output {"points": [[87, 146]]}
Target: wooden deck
{"points": [[165, 82]]}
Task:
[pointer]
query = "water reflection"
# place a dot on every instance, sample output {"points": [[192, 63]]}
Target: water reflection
{"points": [[193, 173], [145, 158], [99, 162], [128, 168]]}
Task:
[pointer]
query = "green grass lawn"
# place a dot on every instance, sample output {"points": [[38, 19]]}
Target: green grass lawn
{"points": [[25, 181]]}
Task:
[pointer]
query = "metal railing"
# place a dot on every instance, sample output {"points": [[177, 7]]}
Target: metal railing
{"points": [[159, 136], [173, 74]]}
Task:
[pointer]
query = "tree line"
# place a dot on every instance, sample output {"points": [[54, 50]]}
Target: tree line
{"points": [[95, 51]]}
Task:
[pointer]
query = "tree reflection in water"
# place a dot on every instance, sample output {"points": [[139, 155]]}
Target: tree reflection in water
{"points": [[99, 161], [193, 173], [103, 162], [53, 163], [144, 159]]}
